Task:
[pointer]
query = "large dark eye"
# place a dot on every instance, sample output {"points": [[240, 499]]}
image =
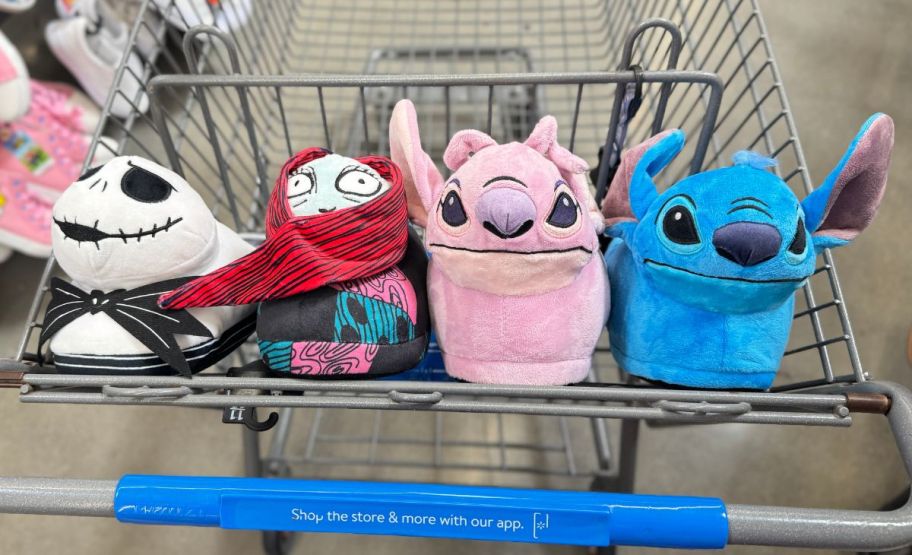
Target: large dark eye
{"points": [[89, 173], [144, 186], [358, 182], [799, 243], [679, 226], [452, 211], [564, 213]]}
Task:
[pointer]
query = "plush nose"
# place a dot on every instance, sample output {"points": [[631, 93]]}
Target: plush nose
{"points": [[507, 213], [747, 243]]}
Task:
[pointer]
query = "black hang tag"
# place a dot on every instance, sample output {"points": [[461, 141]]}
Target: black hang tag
{"points": [[233, 415]]}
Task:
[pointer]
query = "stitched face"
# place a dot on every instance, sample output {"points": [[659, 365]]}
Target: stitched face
{"points": [[509, 221], [330, 183], [732, 239], [736, 239], [131, 222]]}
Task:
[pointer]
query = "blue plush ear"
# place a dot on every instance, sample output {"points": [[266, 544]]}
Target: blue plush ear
{"points": [[632, 190], [846, 202]]}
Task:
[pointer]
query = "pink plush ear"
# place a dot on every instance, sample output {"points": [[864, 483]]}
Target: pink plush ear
{"points": [[837, 211], [463, 146], [616, 205], [419, 174], [544, 140]]}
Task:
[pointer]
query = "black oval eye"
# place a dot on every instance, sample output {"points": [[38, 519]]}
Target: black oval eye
{"points": [[799, 243], [452, 211], [89, 173], [564, 213], [144, 186], [679, 226]]}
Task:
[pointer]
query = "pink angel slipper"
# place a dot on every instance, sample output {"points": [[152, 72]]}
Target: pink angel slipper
{"points": [[518, 290]]}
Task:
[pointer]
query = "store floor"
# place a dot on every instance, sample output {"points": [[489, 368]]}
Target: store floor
{"points": [[841, 60]]}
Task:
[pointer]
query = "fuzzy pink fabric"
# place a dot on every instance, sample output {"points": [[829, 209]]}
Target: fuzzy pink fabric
{"points": [[523, 309], [546, 339]]}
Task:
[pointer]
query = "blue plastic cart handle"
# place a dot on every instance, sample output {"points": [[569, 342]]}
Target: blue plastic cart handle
{"points": [[424, 510]]}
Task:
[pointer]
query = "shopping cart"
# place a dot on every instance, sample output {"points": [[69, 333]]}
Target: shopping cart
{"points": [[229, 104]]}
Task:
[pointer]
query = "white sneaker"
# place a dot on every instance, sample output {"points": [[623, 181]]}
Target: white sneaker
{"points": [[92, 58], [184, 14], [14, 82], [118, 16]]}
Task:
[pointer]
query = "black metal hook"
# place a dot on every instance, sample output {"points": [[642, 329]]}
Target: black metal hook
{"points": [[253, 423], [239, 414]]}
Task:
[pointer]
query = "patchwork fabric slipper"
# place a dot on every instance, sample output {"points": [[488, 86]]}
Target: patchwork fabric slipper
{"points": [[125, 233], [369, 326], [340, 281]]}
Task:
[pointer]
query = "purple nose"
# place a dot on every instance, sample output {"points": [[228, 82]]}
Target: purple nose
{"points": [[747, 243], [507, 213]]}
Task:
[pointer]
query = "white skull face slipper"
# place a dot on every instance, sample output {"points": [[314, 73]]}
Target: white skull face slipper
{"points": [[125, 233]]}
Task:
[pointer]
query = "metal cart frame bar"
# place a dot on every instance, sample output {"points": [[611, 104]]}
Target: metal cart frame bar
{"points": [[747, 524]]}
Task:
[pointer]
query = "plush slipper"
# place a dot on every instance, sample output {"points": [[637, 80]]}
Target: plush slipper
{"points": [[518, 290], [125, 233], [375, 325], [340, 282], [703, 275], [14, 82]]}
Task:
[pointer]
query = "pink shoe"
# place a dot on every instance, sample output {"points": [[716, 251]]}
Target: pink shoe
{"points": [[67, 104], [14, 89], [25, 217], [49, 154]]}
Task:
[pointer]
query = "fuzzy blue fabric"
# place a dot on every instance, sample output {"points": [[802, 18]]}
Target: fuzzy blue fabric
{"points": [[703, 275]]}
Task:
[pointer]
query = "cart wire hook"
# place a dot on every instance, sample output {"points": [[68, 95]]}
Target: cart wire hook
{"points": [[253, 423]]}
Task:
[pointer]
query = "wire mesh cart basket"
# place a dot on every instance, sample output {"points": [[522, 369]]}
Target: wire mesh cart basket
{"points": [[229, 103]]}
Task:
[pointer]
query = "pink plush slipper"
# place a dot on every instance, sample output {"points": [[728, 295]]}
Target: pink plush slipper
{"points": [[25, 217], [14, 82], [517, 287]]}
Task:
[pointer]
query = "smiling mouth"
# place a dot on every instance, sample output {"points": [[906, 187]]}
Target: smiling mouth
{"points": [[724, 278], [548, 251], [91, 234]]}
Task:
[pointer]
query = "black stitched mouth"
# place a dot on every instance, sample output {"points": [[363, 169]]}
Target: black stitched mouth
{"points": [[724, 278], [506, 251], [91, 234]]}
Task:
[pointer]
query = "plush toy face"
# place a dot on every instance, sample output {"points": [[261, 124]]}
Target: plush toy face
{"points": [[512, 219], [331, 183], [728, 238], [737, 239], [131, 222]]}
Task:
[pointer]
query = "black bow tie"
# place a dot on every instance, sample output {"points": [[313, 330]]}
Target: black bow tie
{"points": [[136, 311]]}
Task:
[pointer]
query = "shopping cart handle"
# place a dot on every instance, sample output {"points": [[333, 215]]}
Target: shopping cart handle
{"points": [[424, 510]]}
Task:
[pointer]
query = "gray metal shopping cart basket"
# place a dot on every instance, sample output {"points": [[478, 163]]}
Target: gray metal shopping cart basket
{"points": [[230, 103]]}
